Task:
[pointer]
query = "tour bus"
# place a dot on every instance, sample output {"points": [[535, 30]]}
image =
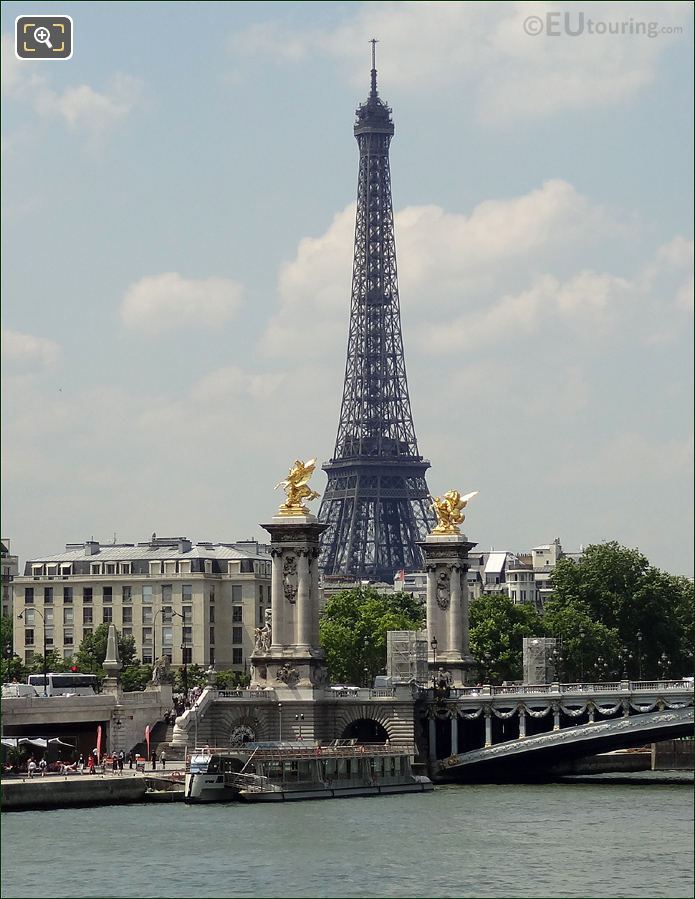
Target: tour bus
{"points": [[65, 684]]}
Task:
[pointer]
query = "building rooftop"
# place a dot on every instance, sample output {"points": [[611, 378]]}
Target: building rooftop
{"points": [[157, 549]]}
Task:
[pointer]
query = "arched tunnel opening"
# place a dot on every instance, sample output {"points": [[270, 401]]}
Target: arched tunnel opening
{"points": [[365, 730]]}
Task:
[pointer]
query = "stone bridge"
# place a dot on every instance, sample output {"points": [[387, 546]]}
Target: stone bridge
{"points": [[511, 732]]}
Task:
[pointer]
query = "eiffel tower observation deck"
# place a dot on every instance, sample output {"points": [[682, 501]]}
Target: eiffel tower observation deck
{"points": [[376, 503]]}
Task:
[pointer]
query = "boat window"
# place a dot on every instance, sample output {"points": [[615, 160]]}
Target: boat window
{"points": [[214, 766]]}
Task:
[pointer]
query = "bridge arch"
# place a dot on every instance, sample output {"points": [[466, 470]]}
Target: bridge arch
{"points": [[364, 723]]}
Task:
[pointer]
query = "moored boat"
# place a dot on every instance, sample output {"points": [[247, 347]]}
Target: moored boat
{"points": [[280, 772]]}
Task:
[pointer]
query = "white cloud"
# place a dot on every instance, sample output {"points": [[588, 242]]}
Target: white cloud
{"points": [[448, 260], [484, 48], [28, 353], [169, 301], [81, 106]]}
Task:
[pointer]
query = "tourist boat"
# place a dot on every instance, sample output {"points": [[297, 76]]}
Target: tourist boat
{"points": [[278, 772]]}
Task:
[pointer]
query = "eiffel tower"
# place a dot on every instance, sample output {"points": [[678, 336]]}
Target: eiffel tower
{"points": [[376, 501]]}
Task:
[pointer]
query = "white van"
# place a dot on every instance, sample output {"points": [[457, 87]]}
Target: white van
{"points": [[10, 690]]}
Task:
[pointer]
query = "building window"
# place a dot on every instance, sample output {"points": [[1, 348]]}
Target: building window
{"points": [[185, 567], [86, 632], [155, 567], [68, 616], [237, 635], [166, 614], [28, 596], [237, 613], [146, 615], [127, 615], [87, 616], [170, 567], [147, 594], [67, 594], [212, 593], [108, 594], [95, 568], [187, 635], [49, 636], [127, 594], [236, 592], [187, 657], [237, 656], [207, 564], [108, 615], [261, 614], [68, 637], [127, 631], [110, 568], [167, 637], [29, 656], [29, 636], [212, 635], [29, 618], [187, 612], [187, 593], [212, 655], [146, 656], [48, 616], [212, 614], [166, 594], [87, 595], [67, 655], [147, 635], [47, 595], [36, 570], [125, 568]]}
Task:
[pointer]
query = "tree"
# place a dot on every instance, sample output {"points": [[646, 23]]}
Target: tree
{"points": [[497, 629], [54, 662], [617, 588], [11, 667], [135, 677], [92, 652], [353, 630]]}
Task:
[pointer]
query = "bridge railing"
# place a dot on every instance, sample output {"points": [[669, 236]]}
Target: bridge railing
{"points": [[658, 686]]}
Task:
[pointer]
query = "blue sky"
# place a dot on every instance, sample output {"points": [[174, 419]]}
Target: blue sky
{"points": [[177, 229]]}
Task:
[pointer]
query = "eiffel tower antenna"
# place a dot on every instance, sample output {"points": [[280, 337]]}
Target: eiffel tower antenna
{"points": [[376, 503]]}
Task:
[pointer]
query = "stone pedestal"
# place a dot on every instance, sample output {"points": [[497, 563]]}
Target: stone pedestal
{"points": [[287, 653], [446, 563], [112, 664]]}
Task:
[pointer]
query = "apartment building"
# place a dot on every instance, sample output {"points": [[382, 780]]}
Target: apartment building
{"points": [[10, 568], [191, 602]]}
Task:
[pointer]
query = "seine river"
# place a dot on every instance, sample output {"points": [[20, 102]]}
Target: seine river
{"points": [[555, 840]]}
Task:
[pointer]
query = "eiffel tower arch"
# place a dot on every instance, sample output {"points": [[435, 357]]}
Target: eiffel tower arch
{"points": [[376, 503]]}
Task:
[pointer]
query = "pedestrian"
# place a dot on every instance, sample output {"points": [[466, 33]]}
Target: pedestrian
{"points": [[121, 760], [90, 763], [163, 760], [42, 767], [114, 762], [154, 760], [131, 758], [80, 763], [31, 767]]}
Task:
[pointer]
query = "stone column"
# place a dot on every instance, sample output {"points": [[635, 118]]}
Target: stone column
{"points": [[433, 739], [277, 601], [465, 615], [454, 732], [315, 598], [488, 726], [556, 716], [446, 561], [304, 610], [455, 612], [431, 610], [522, 723]]}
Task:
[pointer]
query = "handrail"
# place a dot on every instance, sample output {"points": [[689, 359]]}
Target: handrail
{"points": [[291, 753]]}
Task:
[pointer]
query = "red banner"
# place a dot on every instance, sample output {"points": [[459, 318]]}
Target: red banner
{"points": [[99, 743], [147, 740]]}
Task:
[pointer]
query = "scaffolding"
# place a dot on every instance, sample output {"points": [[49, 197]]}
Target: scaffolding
{"points": [[406, 656], [539, 663]]}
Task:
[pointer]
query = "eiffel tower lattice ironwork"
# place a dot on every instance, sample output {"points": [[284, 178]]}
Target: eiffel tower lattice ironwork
{"points": [[376, 503]]}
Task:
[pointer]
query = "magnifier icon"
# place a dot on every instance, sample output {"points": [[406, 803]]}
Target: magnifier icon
{"points": [[43, 36]]}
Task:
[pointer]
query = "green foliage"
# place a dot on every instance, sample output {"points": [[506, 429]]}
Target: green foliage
{"points": [[497, 628], [353, 630], [92, 652], [135, 677], [228, 680], [617, 590], [195, 677], [11, 666], [54, 662]]}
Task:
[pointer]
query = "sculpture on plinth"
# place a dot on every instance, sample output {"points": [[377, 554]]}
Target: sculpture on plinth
{"points": [[160, 671], [448, 509], [264, 635], [296, 489]]}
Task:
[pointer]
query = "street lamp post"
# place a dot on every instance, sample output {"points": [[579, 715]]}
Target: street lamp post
{"points": [[434, 643], [45, 662], [639, 653], [365, 672], [154, 630], [582, 636], [664, 663], [280, 722], [487, 658], [557, 663], [299, 719], [184, 672], [625, 658]]}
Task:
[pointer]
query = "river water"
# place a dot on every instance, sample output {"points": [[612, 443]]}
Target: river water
{"points": [[551, 840]]}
